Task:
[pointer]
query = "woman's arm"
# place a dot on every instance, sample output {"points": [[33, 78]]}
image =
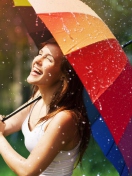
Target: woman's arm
{"points": [[56, 137], [14, 123]]}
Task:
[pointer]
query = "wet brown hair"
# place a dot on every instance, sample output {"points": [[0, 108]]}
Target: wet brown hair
{"points": [[70, 97]]}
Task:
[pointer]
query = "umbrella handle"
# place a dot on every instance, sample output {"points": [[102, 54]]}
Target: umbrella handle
{"points": [[126, 44], [15, 112]]}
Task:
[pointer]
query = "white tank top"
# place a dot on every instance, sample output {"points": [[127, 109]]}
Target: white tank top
{"points": [[63, 163]]}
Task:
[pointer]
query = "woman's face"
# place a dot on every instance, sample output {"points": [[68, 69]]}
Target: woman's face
{"points": [[46, 67]]}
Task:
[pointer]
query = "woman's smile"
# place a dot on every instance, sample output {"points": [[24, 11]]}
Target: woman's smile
{"points": [[35, 71]]}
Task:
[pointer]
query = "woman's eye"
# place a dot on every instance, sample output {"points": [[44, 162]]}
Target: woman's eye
{"points": [[49, 58]]}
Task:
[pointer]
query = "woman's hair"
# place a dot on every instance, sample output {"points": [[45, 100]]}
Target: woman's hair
{"points": [[70, 97]]}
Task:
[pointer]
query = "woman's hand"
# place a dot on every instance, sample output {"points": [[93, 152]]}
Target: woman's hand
{"points": [[2, 125]]}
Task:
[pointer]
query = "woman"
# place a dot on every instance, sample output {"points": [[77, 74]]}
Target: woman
{"points": [[55, 128]]}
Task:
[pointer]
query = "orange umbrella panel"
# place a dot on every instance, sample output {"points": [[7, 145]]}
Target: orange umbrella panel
{"points": [[77, 24]]}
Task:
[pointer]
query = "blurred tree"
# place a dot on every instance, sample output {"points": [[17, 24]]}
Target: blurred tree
{"points": [[15, 53]]}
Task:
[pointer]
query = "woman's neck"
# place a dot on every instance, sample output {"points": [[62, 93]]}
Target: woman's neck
{"points": [[47, 93]]}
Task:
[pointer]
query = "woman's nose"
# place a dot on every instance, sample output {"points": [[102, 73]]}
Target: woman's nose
{"points": [[38, 60]]}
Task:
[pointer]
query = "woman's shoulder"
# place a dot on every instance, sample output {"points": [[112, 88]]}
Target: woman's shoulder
{"points": [[63, 119], [65, 116]]}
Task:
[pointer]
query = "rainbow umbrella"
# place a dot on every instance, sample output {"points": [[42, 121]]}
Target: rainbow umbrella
{"points": [[103, 68]]}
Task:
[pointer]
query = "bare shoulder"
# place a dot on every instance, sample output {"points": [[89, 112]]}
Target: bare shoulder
{"points": [[64, 118], [62, 127], [63, 122]]}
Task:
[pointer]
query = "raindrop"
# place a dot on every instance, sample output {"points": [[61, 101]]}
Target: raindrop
{"points": [[83, 122], [37, 21], [100, 106], [63, 142], [90, 71], [49, 74], [100, 119], [75, 30], [75, 19], [42, 35]]}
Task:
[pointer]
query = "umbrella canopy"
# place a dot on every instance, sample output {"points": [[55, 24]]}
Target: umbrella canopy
{"points": [[35, 27], [103, 68]]}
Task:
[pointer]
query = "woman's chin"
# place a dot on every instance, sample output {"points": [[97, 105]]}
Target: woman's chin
{"points": [[30, 80]]}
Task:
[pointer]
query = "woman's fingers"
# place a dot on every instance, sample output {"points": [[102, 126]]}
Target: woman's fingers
{"points": [[2, 124], [1, 117]]}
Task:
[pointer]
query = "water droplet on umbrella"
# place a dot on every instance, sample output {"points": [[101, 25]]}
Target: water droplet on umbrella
{"points": [[42, 35], [83, 122], [36, 21]]}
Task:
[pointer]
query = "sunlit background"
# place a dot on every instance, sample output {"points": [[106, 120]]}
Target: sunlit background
{"points": [[16, 53]]}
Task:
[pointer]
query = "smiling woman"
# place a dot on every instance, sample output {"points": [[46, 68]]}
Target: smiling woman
{"points": [[56, 127], [46, 67]]}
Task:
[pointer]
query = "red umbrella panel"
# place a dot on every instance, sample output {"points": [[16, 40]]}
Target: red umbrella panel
{"points": [[103, 68]]}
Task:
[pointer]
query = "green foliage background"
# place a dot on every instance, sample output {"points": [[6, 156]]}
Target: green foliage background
{"points": [[17, 50]]}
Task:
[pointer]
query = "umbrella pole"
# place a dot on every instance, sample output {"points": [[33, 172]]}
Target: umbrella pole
{"points": [[15, 112], [126, 44]]}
